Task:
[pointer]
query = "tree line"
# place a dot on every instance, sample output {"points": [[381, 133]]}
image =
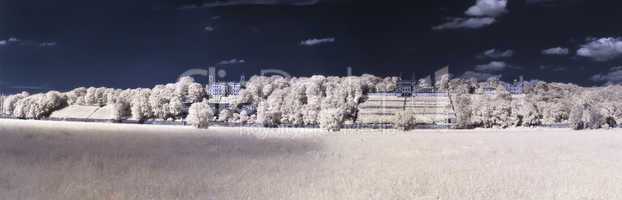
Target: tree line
{"points": [[329, 102]]}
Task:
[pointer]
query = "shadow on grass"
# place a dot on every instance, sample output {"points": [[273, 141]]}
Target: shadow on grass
{"points": [[32, 144]]}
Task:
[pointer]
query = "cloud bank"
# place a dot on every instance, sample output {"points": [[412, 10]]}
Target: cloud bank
{"points": [[614, 76], [603, 49]]}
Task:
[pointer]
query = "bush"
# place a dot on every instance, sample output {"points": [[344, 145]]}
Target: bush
{"points": [[267, 118], [331, 119], [120, 111], [199, 115], [225, 115], [586, 117], [404, 120]]}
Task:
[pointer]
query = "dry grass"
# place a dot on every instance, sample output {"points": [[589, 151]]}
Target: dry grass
{"points": [[51, 160]]}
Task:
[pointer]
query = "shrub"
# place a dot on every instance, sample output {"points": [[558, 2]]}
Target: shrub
{"points": [[584, 116], [331, 119], [199, 115], [404, 120]]}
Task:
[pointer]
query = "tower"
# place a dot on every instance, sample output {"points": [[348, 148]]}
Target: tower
{"points": [[211, 75], [242, 80]]}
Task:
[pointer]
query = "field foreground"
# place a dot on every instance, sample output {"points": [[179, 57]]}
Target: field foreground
{"points": [[65, 160]]}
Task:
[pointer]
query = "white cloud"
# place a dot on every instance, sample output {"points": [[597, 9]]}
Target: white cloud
{"points": [[468, 23], [483, 12], [560, 51], [223, 3], [496, 54], [209, 28], [13, 39], [618, 68], [553, 68], [314, 41], [614, 76], [47, 44], [603, 49], [232, 62], [492, 8], [493, 66], [9, 41], [480, 76]]}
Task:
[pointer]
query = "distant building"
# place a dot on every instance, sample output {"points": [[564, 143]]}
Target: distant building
{"points": [[217, 89], [224, 89], [234, 88], [516, 88], [405, 88]]}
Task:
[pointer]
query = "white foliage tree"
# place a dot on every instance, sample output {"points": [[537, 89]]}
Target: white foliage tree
{"points": [[39, 105], [196, 93], [529, 114], [9, 102], [182, 86], [344, 94], [275, 106], [96, 96], [294, 100], [331, 119], [460, 91], [314, 92], [463, 109], [552, 101], [266, 117], [176, 107], [112, 96], [492, 111], [165, 102], [120, 111], [199, 114], [585, 116], [299, 101], [76, 96], [607, 101], [140, 107]]}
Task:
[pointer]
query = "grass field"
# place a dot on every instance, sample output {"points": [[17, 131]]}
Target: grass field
{"points": [[63, 160]]}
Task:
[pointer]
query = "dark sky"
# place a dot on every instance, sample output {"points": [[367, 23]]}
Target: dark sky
{"points": [[63, 44]]}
